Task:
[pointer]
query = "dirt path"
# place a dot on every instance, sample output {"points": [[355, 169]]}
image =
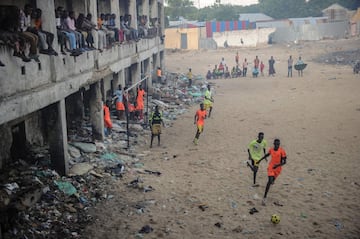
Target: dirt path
{"points": [[317, 119]]}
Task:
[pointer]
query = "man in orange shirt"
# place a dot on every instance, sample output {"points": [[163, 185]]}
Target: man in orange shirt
{"points": [[199, 120], [140, 101], [278, 159], [158, 74], [107, 119]]}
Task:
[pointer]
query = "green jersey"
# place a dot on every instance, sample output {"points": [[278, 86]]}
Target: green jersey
{"points": [[208, 97], [257, 149]]}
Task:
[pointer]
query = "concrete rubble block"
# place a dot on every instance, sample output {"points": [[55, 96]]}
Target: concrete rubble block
{"points": [[84, 147], [29, 198], [74, 152], [80, 169], [136, 127], [117, 128]]}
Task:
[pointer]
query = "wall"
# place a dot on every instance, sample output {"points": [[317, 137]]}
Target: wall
{"points": [[312, 32], [251, 38], [173, 38]]}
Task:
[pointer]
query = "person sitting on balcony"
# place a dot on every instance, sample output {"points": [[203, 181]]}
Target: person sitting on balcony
{"points": [[69, 23], [64, 34], [101, 33], [111, 25], [134, 32], [110, 35], [143, 29], [85, 27], [8, 31], [124, 29], [25, 22], [46, 38]]}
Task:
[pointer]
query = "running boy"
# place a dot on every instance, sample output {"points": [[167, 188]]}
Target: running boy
{"points": [[155, 121], [199, 120], [256, 150], [208, 100], [278, 159]]}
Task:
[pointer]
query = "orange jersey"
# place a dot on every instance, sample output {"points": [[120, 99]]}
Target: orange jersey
{"points": [[201, 115], [275, 159], [140, 99], [107, 119]]}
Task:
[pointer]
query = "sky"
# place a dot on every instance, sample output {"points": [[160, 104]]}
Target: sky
{"points": [[205, 3]]}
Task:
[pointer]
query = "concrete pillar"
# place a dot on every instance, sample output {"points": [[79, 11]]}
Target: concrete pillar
{"points": [[55, 115], [122, 77], [96, 112], [114, 6], [153, 8], [162, 60], [146, 8], [135, 73], [147, 71], [161, 16], [132, 12], [48, 24], [91, 6], [5, 144]]}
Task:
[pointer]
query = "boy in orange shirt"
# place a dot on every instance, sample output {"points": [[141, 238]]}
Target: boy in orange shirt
{"points": [[278, 159], [107, 118], [199, 120]]}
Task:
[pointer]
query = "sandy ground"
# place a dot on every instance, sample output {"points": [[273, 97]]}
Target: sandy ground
{"points": [[317, 118]]}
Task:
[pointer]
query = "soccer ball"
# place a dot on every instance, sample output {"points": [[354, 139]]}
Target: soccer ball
{"points": [[275, 218]]}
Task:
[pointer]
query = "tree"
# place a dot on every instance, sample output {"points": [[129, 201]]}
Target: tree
{"points": [[180, 8]]}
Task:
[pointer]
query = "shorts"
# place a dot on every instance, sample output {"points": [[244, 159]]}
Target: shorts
{"points": [[273, 172], [120, 106], [156, 129], [207, 105], [200, 128], [255, 162]]}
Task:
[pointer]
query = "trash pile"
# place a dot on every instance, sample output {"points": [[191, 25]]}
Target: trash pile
{"points": [[36, 202], [340, 57]]}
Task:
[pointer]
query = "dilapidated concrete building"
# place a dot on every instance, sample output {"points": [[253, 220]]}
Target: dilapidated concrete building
{"points": [[38, 100]]}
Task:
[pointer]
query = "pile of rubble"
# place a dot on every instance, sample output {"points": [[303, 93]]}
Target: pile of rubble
{"points": [[340, 57], [36, 202]]}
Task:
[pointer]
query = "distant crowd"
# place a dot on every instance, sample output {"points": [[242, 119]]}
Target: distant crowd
{"points": [[241, 69]]}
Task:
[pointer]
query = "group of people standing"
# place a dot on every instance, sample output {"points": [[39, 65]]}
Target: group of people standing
{"points": [[123, 104], [258, 67], [298, 63]]}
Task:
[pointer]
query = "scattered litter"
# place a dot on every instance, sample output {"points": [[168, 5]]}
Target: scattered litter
{"points": [[66, 187], [338, 225], [146, 229], [218, 224], [253, 210], [152, 172], [203, 207]]}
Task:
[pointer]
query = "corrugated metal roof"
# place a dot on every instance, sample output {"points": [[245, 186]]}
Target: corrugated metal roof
{"points": [[254, 17]]}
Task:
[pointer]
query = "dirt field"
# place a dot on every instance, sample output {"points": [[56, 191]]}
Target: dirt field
{"points": [[317, 118]]}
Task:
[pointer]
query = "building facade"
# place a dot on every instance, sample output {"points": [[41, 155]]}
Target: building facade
{"points": [[38, 100]]}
